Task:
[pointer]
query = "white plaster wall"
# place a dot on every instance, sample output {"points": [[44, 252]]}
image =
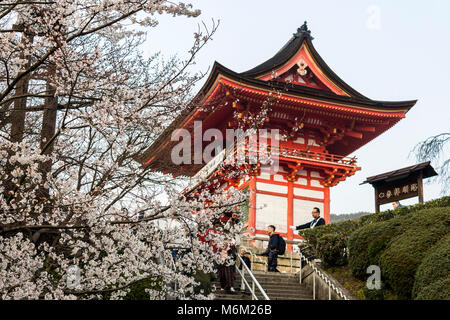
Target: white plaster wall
{"points": [[270, 187], [279, 177], [316, 183], [308, 193], [264, 175], [274, 212]]}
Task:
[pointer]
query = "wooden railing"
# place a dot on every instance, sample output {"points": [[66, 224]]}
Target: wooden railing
{"points": [[241, 151], [288, 152], [315, 156]]}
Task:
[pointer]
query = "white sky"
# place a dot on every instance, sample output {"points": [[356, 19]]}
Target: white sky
{"points": [[387, 50]]}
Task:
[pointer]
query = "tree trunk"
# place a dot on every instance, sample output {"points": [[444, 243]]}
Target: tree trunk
{"points": [[18, 113], [48, 129]]}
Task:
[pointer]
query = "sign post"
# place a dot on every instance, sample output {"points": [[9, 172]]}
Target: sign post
{"points": [[400, 184]]}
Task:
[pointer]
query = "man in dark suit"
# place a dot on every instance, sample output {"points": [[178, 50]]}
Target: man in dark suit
{"points": [[318, 221]]}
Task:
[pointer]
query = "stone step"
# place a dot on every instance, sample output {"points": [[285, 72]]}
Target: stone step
{"points": [[295, 295], [290, 298], [229, 296], [278, 286], [274, 286], [273, 278], [271, 275], [286, 289], [273, 294], [269, 282]]}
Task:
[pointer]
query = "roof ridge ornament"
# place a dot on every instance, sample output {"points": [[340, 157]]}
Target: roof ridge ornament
{"points": [[303, 30]]}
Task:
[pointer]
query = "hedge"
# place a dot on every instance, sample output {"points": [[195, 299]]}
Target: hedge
{"points": [[374, 294], [367, 243], [333, 253], [332, 250], [345, 229], [438, 290], [435, 266], [400, 260]]}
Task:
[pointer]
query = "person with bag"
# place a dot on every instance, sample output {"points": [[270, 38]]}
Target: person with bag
{"points": [[276, 246]]}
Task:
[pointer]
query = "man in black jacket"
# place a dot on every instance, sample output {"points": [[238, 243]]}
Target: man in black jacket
{"points": [[272, 249], [318, 221]]}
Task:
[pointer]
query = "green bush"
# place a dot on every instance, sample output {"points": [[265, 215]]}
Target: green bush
{"points": [[438, 290], [345, 229], [397, 241], [403, 255], [332, 250], [374, 294], [204, 282], [367, 243], [342, 227], [377, 217], [337, 232], [435, 266]]}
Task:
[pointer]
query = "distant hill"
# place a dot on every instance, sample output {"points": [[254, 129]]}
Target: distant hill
{"points": [[348, 216]]}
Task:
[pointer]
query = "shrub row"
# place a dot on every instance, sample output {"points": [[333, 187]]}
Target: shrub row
{"points": [[398, 246], [438, 290], [366, 244], [329, 242], [435, 267], [340, 233], [401, 259]]}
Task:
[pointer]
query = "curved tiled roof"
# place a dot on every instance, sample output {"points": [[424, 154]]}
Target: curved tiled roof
{"points": [[294, 44], [251, 79]]}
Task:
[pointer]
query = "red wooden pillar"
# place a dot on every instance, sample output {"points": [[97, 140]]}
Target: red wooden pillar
{"points": [[252, 206], [326, 205], [290, 212]]}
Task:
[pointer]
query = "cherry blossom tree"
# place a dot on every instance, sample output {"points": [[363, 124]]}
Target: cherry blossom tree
{"points": [[79, 217]]}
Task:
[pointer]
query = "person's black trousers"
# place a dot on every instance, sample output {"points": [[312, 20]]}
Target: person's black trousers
{"points": [[272, 261]]}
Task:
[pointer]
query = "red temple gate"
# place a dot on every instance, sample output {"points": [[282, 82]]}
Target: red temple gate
{"points": [[320, 119]]}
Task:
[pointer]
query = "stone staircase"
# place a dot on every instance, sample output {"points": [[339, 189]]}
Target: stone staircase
{"points": [[278, 286]]}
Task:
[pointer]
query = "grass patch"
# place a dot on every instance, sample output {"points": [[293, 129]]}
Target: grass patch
{"points": [[343, 274]]}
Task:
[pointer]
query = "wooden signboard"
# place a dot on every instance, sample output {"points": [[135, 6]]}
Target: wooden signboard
{"points": [[398, 190], [400, 184]]}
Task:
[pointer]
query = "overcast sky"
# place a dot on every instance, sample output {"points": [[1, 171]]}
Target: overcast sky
{"points": [[387, 50]]}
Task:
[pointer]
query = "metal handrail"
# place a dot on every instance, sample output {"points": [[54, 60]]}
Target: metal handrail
{"points": [[254, 281], [322, 276], [254, 256]]}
